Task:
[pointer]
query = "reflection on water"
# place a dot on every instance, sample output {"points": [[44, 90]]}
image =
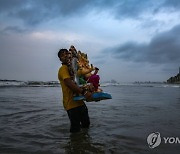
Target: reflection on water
{"points": [[82, 143]]}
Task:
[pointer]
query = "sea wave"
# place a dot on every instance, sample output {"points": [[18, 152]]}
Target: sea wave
{"points": [[158, 85], [15, 83], [145, 84]]}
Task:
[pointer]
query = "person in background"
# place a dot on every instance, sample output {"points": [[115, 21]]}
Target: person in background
{"points": [[77, 110]]}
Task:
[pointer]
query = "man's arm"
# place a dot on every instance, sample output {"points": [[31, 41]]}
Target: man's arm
{"points": [[76, 88], [68, 82]]}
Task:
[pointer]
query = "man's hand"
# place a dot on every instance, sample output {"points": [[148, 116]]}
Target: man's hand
{"points": [[88, 96]]}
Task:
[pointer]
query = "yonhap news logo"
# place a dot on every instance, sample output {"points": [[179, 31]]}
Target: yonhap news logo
{"points": [[155, 139]]}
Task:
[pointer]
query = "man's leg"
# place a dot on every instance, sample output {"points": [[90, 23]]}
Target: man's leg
{"points": [[74, 119], [84, 118]]}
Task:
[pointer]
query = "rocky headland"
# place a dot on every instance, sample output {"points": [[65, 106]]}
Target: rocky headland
{"points": [[174, 79]]}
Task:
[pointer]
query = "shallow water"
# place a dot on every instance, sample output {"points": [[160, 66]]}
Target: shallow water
{"points": [[32, 120]]}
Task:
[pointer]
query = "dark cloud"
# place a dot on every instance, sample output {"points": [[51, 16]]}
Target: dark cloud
{"points": [[8, 5], [174, 4], [133, 8], [11, 29], [33, 12], [163, 48]]}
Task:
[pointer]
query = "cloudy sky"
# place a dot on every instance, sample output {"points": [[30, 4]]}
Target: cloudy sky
{"points": [[129, 40]]}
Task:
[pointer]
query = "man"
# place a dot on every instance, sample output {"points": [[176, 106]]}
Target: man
{"points": [[77, 110]]}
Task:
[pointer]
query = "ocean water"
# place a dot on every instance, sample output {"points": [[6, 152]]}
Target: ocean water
{"points": [[33, 120]]}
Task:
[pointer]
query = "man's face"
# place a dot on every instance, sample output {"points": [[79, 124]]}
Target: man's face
{"points": [[66, 57]]}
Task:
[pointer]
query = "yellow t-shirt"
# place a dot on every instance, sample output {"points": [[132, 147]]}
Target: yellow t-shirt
{"points": [[67, 92]]}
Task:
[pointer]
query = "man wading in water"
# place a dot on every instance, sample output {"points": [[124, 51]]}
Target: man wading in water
{"points": [[76, 110]]}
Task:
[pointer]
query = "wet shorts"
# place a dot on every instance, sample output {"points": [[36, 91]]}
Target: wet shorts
{"points": [[79, 118]]}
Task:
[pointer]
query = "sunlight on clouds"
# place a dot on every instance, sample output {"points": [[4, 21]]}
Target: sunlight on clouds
{"points": [[168, 17], [160, 21], [53, 35], [113, 31]]}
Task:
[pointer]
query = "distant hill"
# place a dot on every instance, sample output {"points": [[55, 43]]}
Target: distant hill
{"points": [[174, 79]]}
